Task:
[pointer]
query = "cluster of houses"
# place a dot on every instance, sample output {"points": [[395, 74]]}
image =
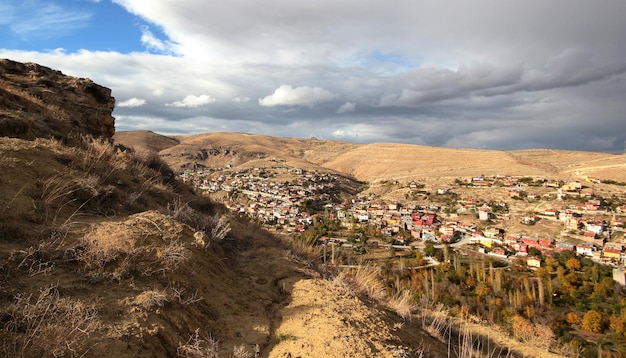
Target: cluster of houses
{"points": [[259, 194]]}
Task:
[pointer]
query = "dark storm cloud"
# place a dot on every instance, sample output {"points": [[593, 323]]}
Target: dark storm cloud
{"points": [[486, 74]]}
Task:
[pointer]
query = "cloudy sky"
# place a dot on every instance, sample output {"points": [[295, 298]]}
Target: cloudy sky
{"points": [[490, 74]]}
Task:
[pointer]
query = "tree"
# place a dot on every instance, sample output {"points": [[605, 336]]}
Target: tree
{"points": [[522, 329], [573, 264], [617, 324], [533, 251], [592, 321], [482, 290], [429, 250], [572, 318]]}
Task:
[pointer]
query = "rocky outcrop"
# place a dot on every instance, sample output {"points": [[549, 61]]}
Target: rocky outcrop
{"points": [[36, 101]]}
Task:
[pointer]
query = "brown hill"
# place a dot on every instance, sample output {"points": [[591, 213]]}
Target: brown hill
{"points": [[145, 140], [383, 161]]}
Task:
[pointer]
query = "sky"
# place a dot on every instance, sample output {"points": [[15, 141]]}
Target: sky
{"points": [[490, 74]]}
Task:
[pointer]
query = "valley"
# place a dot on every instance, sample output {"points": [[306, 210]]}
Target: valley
{"points": [[423, 222]]}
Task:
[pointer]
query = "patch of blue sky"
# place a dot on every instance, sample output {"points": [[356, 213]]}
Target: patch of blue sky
{"points": [[74, 25], [388, 62]]}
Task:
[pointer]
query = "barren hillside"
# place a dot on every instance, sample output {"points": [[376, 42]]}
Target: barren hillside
{"points": [[377, 161]]}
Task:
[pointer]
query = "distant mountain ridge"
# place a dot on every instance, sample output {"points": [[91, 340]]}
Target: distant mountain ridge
{"points": [[376, 161]]}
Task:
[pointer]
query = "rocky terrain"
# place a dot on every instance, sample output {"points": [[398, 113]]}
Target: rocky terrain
{"points": [[38, 102]]}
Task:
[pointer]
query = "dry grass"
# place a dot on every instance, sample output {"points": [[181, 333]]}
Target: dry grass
{"points": [[174, 255], [436, 322], [105, 243], [55, 111], [539, 335], [211, 228], [151, 299], [47, 325], [402, 303], [364, 280]]}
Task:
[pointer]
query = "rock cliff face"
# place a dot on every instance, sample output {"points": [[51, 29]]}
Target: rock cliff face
{"points": [[36, 101]]}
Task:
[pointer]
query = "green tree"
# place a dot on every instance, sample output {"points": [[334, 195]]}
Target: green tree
{"points": [[430, 250]]}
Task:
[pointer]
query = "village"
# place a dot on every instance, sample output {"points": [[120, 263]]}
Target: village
{"points": [[289, 200]]}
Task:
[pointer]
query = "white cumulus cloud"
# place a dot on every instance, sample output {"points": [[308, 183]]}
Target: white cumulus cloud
{"points": [[192, 101], [132, 102], [307, 96], [153, 43]]}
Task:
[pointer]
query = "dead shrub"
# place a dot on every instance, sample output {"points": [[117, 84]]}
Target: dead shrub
{"points": [[241, 352], [216, 227], [174, 255], [221, 227], [47, 325], [151, 299], [525, 331], [199, 347], [105, 243], [179, 294]]}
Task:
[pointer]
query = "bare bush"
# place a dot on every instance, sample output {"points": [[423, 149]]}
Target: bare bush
{"points": [[105, 243], [216, 227], [241, 352], [199, 347], [179, 294], [47, 325], [151, 299], [221, 227], [174, 255]]}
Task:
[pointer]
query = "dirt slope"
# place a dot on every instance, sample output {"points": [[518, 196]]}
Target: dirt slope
{"points": [[90, 270], [145, 140]]}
